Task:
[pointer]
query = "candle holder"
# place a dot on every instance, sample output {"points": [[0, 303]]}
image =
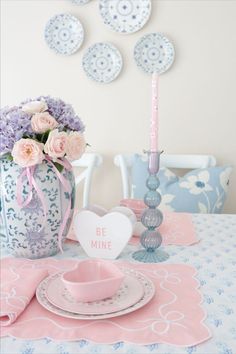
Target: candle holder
{"points": [[151, 217]]}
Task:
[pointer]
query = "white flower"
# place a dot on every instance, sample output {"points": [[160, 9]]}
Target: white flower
{"points": [[168, 173], [35, 107], [165, 202], [197, 183], [224, 178]]}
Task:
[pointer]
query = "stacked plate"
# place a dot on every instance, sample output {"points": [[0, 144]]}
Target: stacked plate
{"points": [[135, 292]]}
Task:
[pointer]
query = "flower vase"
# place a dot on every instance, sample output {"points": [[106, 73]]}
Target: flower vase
{"points": [[28, 231]]}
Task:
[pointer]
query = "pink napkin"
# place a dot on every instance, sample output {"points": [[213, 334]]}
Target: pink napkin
{"points": [[17, 289], [174, 315]]}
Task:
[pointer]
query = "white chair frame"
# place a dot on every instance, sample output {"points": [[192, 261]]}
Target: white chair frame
{"points": [[90, 161], [125, 161]]}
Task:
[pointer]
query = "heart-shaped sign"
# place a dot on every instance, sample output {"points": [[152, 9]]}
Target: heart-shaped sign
{"points": [[102, 236]]}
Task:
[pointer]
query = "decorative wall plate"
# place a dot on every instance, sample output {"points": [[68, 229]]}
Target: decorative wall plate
{"points": [[102, 62], [149, 291], [80, 2], [64, 34], [154, 53], [125, 16], [129, 294]]}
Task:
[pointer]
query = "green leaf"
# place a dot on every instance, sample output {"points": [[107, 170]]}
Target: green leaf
{"points": [[9, 157], [43, 137], [58, 166]]}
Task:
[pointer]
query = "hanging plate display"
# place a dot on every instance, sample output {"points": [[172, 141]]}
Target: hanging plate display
{"points": [[64, 34], [154, 53], [125, 16], [102, 62]]}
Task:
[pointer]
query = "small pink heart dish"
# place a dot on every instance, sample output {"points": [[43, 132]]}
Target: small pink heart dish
{"points": [[93, 280]]}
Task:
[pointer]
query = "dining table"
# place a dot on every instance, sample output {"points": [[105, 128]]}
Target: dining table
{"points": [[213, 256]]}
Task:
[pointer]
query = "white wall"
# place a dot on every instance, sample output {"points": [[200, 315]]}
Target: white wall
{"points": [[197, 97]]}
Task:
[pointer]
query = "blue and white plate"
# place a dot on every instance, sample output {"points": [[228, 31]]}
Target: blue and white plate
{"points": [[154, 53], [64, 33], [125, 16], [102, 62], [80, 2]]}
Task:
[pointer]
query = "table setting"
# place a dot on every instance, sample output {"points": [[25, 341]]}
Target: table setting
{"points": [[207, 267]]}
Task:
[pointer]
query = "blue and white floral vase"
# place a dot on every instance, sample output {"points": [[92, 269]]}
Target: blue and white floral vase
{"points": [[27, 231], [38, 140]]}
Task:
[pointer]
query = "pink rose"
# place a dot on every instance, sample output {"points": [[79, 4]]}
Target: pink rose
{"points": [[75, 145], [41, 122], [27, 152], [56, 144]]}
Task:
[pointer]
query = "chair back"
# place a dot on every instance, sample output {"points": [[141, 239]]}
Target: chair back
{"points": [[125, 162], [89, 161]]}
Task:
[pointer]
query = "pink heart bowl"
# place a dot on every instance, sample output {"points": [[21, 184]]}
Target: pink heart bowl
{"points": [[93, 280]]}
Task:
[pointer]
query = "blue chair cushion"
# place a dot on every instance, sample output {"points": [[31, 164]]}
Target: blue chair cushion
{"points": [[199, 191]]}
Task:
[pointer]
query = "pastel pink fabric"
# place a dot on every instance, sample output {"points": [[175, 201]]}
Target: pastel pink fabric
{"points": [[17, 290], [174, 316], [176, 229]]}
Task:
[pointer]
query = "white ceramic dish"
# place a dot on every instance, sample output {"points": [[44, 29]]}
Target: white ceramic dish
{"points": [[64, 34], [102, 62], [129, 293], [154, 53], [80, 2], [149, 291], [125, 16]]}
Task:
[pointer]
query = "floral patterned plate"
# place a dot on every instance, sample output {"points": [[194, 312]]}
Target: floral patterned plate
{"points": [[64, 34], [154, 53], [129, 293], [147, 284], [80, 2], [102, 62], [125, 16]]}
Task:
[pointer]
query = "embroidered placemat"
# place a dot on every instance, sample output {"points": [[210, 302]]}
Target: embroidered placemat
{"points": [[176, 229], [174, 316]]}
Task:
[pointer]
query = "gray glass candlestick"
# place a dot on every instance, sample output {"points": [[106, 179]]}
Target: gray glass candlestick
{"points": [[151, 217]]}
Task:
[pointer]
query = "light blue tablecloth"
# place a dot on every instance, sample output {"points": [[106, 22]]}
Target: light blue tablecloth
{"points": [[215, 259]]}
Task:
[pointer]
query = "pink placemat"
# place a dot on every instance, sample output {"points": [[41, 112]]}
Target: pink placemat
{"points": [[176, 229], [174, 316]]}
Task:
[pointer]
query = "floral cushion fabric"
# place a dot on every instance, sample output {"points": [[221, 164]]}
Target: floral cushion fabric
{"points": [[199, 191]]}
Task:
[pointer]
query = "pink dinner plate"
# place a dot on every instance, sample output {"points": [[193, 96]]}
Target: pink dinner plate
{"points": [[129, 293], [149, 291]]}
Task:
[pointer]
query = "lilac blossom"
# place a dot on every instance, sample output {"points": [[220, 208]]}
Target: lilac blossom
{"points": [[15, 124], [62, 112]]}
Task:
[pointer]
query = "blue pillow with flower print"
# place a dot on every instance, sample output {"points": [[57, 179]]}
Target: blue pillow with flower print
{"points": [[199, 191]]}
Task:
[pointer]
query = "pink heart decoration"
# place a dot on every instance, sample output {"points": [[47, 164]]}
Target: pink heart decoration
{"points": [[102, 236]]}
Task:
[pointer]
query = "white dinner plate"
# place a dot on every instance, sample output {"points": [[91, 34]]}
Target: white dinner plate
{"points": [[80, 2], [149, 291], [154, 53], [129, 294], [125, 16], [64, 34], [102, 62]]}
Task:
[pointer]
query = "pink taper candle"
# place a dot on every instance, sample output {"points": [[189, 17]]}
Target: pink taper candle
{"points": [[154, 117]]}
